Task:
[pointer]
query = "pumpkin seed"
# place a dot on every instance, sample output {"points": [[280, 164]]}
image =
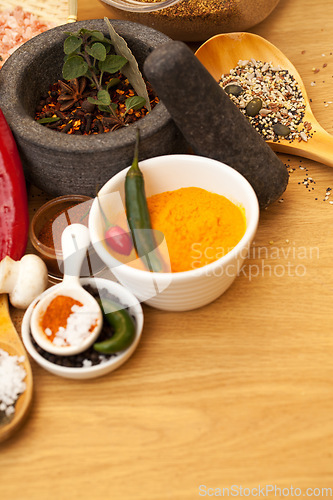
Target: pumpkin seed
{"points": [[269, 84], [281, 129], [233, 89], [253, 107]]}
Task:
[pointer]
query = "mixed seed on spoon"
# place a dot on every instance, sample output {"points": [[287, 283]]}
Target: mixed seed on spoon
{"points": [[270, 98]]}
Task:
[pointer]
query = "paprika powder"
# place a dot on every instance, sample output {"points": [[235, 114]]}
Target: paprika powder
{"points": [[67, 321]]}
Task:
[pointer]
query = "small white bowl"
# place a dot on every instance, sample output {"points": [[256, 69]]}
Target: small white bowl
{"points": [[190, 289], [125, 297]]}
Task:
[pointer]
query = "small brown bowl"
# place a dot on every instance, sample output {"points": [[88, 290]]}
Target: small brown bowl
{"points": [[46, 228]]}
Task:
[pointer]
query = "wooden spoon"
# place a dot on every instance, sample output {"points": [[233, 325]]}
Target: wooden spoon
{"points": [[11, 342], [222, 53]]}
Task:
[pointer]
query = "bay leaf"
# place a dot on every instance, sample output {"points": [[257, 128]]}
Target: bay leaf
{"points": [[131, 69]]}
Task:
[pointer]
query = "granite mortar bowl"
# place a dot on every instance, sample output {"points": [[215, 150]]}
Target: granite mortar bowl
{"points": [[59, 163]]}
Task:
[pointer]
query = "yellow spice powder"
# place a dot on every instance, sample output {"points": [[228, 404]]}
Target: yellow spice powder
{"points": [[199, 226]]}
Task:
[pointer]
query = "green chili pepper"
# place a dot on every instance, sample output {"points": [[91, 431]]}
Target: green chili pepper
{"points": [[123, 325], [138, 215]]}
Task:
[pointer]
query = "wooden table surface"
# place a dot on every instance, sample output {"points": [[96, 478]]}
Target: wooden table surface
{"points": [[236, 393]]}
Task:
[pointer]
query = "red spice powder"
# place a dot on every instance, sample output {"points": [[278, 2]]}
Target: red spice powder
{"points": [[57, 314]]}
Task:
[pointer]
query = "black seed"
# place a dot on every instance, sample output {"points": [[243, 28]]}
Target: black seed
{"points": [[253, 107], [281, 129], [233, 89]]}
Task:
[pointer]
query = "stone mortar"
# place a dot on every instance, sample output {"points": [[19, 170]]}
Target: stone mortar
{"points": [[65, 164]]}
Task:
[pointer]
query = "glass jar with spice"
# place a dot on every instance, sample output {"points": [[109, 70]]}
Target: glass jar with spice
{"points": [[46, 229], [193, 20]]}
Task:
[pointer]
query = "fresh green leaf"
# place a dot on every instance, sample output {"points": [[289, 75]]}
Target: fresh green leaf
{"points": [[107, 41], [71, 44], [107, 109], [104, 109], [92, 100], [103, 97], [112, 63], [50, 119], [112, 83], [130, 70], [97, 51], [72, 54], [97, 35], [107, 46], [136, 102], [74, 67], [84, 31]]}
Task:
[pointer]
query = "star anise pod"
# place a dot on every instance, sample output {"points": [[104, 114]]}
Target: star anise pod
{"points": [[71, 92]]}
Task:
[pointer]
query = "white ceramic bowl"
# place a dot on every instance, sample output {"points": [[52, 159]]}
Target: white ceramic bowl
{"points": [[125, 297], [190, 289]]}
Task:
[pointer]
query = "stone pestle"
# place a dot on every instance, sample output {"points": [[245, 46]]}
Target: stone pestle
{"points": [[210, 122]]}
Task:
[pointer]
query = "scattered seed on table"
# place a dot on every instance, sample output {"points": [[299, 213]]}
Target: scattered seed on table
{"points": [[327, 194]]}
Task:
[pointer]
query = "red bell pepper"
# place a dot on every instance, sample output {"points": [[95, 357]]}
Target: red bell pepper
{"points": [[14, 218]]}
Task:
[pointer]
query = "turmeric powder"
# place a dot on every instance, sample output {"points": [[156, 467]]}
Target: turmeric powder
{"points": [[199, 226]]}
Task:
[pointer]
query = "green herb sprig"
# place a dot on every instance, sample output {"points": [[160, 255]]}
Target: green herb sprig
{"points": [[87, 53]]}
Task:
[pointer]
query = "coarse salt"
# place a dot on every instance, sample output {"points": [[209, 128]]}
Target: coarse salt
{"points": [[12, 384], [78, 327], [16, 28]]}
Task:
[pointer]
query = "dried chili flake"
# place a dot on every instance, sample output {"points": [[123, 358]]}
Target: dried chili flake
{"points": [[67, 101]]}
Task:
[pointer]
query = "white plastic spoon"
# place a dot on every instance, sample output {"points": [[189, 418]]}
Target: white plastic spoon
{"points": [[75, 241]]}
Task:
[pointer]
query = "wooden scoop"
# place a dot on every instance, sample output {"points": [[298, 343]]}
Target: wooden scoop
{"points": [[222, 53], [10, 342]]}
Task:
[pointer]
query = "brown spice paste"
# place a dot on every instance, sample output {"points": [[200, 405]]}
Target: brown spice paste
{"points": [[51, 231]]}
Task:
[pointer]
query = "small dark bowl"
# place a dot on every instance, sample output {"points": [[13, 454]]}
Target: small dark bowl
{"points": [[59, 163]]}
